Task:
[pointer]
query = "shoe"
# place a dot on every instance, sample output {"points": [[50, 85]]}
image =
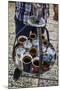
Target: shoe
{"points": [[17, 74]]}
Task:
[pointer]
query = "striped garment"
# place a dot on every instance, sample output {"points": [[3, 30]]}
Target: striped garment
{"points": [[24, 9]]}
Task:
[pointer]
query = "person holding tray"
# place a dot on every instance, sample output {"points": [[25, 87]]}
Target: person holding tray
{"points": [[23, 10]]}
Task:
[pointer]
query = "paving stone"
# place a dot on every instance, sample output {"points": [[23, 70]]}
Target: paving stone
{"points": [[52, 28], [47, 83]]}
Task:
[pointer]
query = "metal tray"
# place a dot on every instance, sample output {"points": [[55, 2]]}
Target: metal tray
{"points": [[18, 62]]}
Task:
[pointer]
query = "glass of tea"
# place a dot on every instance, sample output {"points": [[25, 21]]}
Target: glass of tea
{"points": [[42, 36], [21, 40], [27, 62], [33, 52], [32, 35], [35, 65], [45, 65], [45, 42]]}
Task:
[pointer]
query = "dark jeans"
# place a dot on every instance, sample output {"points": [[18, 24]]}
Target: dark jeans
{"points": [[19, 25]]}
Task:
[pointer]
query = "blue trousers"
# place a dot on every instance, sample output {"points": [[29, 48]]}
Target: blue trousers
{"points": [[19, 25]]}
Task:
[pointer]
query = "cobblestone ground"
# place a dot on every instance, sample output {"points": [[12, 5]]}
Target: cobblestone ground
{"points": [[52, 26]]}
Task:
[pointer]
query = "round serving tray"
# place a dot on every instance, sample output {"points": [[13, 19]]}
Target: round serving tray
{"points": [[17, 45]]}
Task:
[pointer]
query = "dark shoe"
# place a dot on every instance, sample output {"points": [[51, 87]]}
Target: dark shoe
{"points": [[17, 74]]}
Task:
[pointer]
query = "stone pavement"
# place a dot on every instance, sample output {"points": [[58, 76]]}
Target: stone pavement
{"points": [[26, 82]]}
